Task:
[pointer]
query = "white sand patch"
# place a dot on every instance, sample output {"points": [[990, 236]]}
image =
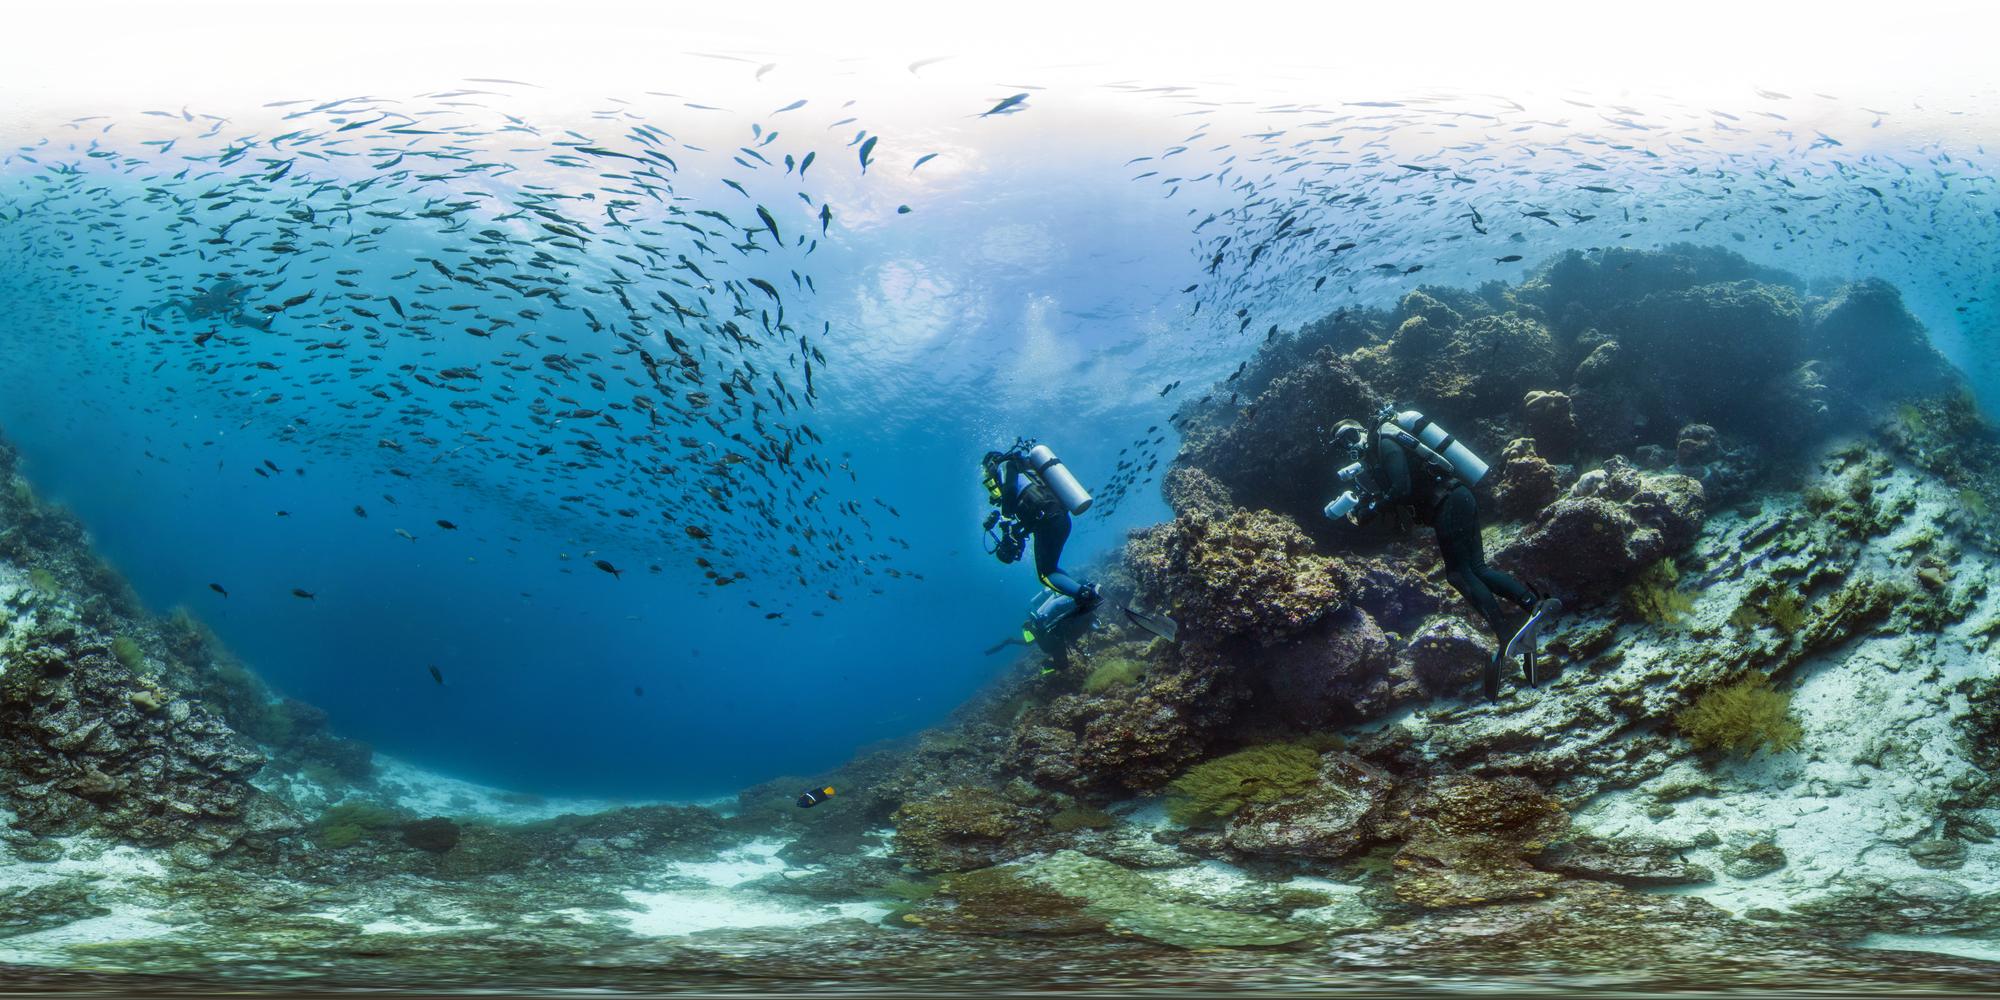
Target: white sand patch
{"points": [[81, 856], [407, 925], [743, 863], [1983, 949], [721, 902], [670, 914], [1208, 879], [429, 793], [125, 922], [884, 839]]}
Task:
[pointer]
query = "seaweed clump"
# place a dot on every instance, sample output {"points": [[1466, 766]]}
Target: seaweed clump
{"points": [[1215, 790], [1656, 596], [1113, 672], [349, 823], [1741, 717]]}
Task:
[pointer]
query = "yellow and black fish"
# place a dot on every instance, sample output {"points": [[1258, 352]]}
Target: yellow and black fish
{"points": [[814, 796]]}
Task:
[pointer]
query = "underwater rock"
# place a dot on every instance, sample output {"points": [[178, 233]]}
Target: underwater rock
{"points": [[1135, 737], [1551, 417], [45, 907], [1189, 490], [1001, 901], [1919, 904], [1695, 446], [1069, 893], [1614, 522], [1938, 854], [1711, 352], [1757, 858], [1392, 587], [1337, 672], [1333, 819], [1638, 862], [963, 829], [435, 835], [1447, 655], [1252, 573], [1872, 348], [1526, 482], [1461, 367], [1467, 840], [77, 753], [1269, 456]]}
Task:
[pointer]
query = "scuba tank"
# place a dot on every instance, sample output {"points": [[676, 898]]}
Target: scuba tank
{"points": [[1072, 494], [1434, 443], [1045, 612]]}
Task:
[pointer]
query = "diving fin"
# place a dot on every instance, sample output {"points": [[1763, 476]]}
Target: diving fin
{"points": [[1525, 640], [1160, 625]]}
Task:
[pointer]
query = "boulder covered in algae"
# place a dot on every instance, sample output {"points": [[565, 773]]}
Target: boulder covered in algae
{"points": [[1613, 522], [1250, 573]]}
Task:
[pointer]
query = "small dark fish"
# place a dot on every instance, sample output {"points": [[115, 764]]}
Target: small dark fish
{"points": [[637, 691], [304, 595], [921, 160], [360, 511], [447, 525], [608, 568], [218, 589], [1509, 259], [814, 796], [867, 152], [436, 675], [1007, 105]]}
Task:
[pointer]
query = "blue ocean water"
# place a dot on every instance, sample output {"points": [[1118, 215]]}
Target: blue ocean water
{"points": [[1042, 284]]}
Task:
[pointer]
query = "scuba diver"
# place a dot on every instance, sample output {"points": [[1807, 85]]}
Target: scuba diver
{"points": [[1034, 496], [1414, 470]]}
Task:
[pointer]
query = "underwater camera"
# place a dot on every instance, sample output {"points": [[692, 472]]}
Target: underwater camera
{"points": [[1359, 499], [1006, 537]]}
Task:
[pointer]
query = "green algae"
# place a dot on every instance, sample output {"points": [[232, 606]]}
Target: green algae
{"points": [[1081, 817], [128, 652], [1113, 672], [1217, 789], [349, 823]]}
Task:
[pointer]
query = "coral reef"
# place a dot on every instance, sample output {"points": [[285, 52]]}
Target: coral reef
{"points": [[1251, 573], [964, 828], [79, 748], [1764, 541]]}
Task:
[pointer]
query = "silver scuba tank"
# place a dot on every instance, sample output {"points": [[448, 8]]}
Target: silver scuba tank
{"points": [[1466, 465], [1046, 611], [1072, 494]]}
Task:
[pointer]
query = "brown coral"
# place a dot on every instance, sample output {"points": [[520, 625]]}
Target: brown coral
{"points": [[1252, 573]]}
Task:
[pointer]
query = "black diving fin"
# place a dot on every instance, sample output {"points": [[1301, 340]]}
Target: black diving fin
{"points": [[1160, 625]]}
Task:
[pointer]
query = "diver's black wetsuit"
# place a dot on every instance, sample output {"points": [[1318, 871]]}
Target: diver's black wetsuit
{"points": [[1448, 506], [1043, 516]]}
